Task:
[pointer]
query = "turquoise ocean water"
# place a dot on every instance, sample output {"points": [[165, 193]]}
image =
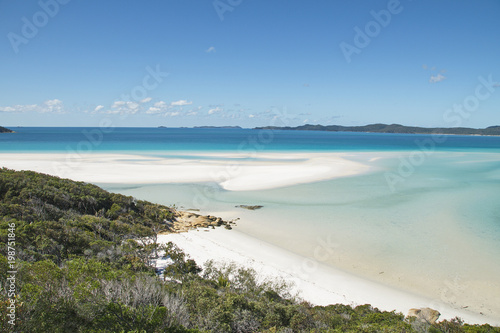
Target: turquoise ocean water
{"points": [[191, 139], [435, 231]]}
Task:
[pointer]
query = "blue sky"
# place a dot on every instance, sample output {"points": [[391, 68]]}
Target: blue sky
{"points": [[249, 63]]}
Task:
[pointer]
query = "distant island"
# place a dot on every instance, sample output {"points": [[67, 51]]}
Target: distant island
{"points": [[230, 127], [5, 130], [393, 128], [225, 127]]}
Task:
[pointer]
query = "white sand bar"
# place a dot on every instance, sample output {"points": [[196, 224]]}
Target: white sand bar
{"points": [[233, 172], [313, 281]]}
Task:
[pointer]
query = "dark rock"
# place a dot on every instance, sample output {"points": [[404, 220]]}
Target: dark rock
{"points": [[249, 207]]}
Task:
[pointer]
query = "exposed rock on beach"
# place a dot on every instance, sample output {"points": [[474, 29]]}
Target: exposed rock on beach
{"points": [[249, 207], [184, 221], [425, 315]]}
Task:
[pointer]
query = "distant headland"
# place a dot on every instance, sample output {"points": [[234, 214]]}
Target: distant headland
{"points": [[230, 127], [393, 128], [5, 130], [225, 127]]}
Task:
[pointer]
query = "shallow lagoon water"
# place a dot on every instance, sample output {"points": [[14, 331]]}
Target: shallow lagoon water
{"points": [[436, 234]]}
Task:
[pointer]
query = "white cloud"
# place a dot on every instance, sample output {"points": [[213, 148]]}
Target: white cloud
{"points": [[118, 104], [437, 78], [122, 107], [153, 110], [211, 49], [251, 116], [158, 107], [27, 108], [160, 104], [49, 106], [182, 102], [53, 102], [133, 106], [8, 109], [173, 114], [146, 100], [215, 110], [98, 108]]}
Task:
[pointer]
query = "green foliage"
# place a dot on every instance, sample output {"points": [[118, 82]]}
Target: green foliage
{"points": [[58, 219], [182, 269], [83, 257]]}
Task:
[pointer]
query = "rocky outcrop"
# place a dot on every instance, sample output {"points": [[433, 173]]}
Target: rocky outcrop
{"points": [[425, 315], [184, 221], [249, 207], [5, 130]]}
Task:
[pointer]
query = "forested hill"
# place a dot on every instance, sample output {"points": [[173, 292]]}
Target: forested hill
{"points": [[58, 218], [79, 259], [5, 130], [80, 254], [393, 128]]}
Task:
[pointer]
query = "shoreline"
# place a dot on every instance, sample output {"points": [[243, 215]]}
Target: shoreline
{"points": [[235, 172], [312, 281]]}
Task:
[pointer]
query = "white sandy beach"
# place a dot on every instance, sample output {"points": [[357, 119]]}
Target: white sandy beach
{"points": [[233, 172], [312, 280], [317, 283]]}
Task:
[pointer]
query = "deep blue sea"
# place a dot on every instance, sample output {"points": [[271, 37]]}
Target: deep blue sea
{"points": [[59, 139]]}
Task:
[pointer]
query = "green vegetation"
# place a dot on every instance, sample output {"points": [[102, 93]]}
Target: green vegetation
{"points": [[5, 130], [393, 128], [83, 265]]}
